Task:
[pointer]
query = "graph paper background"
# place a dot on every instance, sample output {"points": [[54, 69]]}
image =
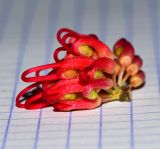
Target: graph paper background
{"points": [[28, 38]]}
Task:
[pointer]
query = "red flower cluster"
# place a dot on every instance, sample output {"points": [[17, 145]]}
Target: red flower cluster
{"points": [[87, 76]]}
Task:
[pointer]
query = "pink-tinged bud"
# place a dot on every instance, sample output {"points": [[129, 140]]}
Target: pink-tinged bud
{"points": [[119, 46], [137, 80], [135, 66], [126, 55]]}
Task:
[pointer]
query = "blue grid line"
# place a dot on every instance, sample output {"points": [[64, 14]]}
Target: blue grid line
{"points": [[30, 8], [100, 128], [54, 6], [128, 11], [104, 10], [78, 17], [69, 131], [38, 130]]}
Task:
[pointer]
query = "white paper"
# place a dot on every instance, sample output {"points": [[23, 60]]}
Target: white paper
{"points": [[28, 38]]}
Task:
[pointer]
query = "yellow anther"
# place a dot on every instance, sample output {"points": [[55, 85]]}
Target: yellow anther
{"points": [[71, 96], [118, 51], [86, 50], [98, 74], [70, 74], [92, 95]]}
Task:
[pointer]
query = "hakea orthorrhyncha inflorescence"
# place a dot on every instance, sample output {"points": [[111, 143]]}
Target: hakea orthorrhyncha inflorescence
{"points": [[89, 75]]}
